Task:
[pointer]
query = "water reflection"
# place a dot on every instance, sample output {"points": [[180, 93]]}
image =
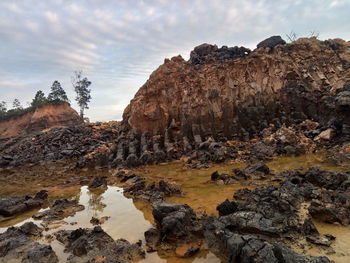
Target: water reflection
{"points": [[95, 201], [129, 219]]}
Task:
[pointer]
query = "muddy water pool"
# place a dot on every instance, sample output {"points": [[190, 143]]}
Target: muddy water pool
{"points": [[129, 218]]}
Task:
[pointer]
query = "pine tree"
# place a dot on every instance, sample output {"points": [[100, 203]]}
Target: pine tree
{"points": [[17, 105], [57, 93], [81, 87], [39, 99]]}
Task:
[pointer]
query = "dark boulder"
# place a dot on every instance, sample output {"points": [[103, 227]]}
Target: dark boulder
{"points": [[257, 170], [250, 248], [152, 192], [271, 42], [226, 208], [17, 205], [40, 253], [88, 244], [100, 181], [16, 245], [207, 53], [176, 225]]}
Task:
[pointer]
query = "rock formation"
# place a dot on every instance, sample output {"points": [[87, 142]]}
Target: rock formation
{"points": [[292, 97], [41, 118], [232, 93]]}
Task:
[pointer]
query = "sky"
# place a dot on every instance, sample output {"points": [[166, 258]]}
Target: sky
{"points": [[117, 44]]}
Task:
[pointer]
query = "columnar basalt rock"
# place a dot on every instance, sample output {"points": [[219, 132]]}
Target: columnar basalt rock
{"points": [[236, 97]]}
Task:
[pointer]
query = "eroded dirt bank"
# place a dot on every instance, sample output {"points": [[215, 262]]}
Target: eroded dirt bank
{"points": [[41, 118]]}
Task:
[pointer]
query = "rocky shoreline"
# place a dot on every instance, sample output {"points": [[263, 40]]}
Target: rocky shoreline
{"points": [[259, 225]]}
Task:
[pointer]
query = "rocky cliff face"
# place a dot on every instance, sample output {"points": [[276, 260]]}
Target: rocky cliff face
{"points": [[41, 118], [239, 95], [233, 93]]}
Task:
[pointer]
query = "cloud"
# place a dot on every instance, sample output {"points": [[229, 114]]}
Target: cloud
{"points": [[119, 43], [51, 16], [10, 84]]}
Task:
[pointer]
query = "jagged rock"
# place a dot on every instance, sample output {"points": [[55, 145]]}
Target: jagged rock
{"points": [[92, 243], [326, 135], [99, 221], [242, 194], [17, 205], [152, 192], [248, 248], [59, 210], [317, 240], [271, 42], [206, 53], [100, 181], [242, 229], [16, 245], [177, 224], [89, 143], [226, 208], [40, 253], [258, 170], [225, 178]]}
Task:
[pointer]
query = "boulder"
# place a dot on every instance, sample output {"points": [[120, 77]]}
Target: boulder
{"points": [[89, 244], [326, 135], [16, 245], [17, 205], [271, 42], [100, 181]]}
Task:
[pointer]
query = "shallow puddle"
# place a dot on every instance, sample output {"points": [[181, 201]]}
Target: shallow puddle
{"points": [[203, 195], [128, 219], [283, 163], [341, 244]]}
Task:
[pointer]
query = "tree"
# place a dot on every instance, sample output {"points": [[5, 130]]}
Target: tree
{"points": [[57, 93], [3, 109], [81, 88], [39, 99], [3, 106], [17, 105]]}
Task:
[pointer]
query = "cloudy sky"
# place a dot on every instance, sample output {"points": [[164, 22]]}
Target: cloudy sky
{"points": [[119, 43]]}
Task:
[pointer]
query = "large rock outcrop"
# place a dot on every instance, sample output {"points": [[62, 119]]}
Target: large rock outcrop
{"points": [[48, 116], [293, 97], [235, 93]]}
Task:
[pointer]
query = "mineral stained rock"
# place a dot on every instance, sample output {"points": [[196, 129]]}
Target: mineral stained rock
{"points": [[239, 96]]}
